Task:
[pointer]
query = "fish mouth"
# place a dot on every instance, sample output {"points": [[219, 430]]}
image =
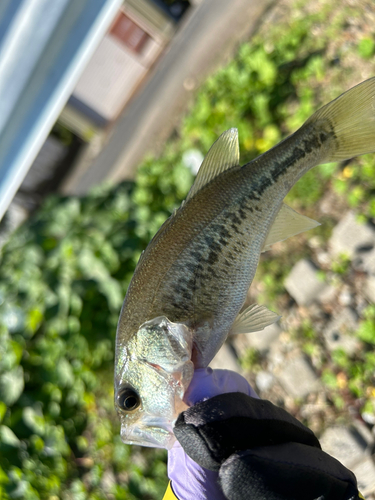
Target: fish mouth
{"points": [[151, 432]]}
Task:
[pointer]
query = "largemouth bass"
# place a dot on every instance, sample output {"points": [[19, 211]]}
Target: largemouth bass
{"points": [[191, 282]]}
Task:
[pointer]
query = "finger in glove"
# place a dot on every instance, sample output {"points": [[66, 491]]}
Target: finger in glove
{"points": [[214, 429], [290, 471]]}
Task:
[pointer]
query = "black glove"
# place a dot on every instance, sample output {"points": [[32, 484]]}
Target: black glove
{"points": [[261, 451]]}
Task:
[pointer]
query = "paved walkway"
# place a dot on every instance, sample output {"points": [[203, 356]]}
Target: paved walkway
{"points": [[206, 39]]}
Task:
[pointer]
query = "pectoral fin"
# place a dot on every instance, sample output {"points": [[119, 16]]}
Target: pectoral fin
{"points": [[288, 223], [254, 319], [223, 154]]}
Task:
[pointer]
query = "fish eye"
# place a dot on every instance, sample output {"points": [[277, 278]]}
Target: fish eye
{"points": [[128, 399]]}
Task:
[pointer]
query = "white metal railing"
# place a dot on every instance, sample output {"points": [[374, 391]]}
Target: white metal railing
{"points": [[44, 46]]}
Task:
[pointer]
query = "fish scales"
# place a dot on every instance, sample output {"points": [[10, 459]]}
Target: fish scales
{"points": [[193, 278], [194, 288]]}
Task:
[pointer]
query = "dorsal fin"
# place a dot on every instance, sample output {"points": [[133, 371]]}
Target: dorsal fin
{"points": [[223, 154], [288, 223]]}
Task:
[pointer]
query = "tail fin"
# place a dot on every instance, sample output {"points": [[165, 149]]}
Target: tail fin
{"points": [[352, 116]]}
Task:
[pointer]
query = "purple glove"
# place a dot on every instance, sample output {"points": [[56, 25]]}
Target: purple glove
{"points": [[189, 480]]}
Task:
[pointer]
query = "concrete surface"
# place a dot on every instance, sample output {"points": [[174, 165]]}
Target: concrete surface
{"points": [[345, 444], [261, 341], [226, 359], [349, 236], [338, 332], [298, 378], [303, 283]]}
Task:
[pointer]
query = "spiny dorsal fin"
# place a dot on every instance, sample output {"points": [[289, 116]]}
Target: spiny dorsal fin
{"points": [[288, 223], [254, 319], [223, 154]]}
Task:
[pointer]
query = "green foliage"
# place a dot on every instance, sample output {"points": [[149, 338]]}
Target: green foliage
{"points": [[310, 348], [250, 360], [341, 264], [251, 91], [329, 379], [307, 330], [366, 48], [357, 372], [64, 275], [341, 358], [366, 331], [356, 182], [271, 275]]}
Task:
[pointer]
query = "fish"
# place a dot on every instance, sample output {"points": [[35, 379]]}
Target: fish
{"points": [[191, 282]]}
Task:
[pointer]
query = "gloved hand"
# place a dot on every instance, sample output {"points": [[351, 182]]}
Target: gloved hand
{"points": [[190, 481], [255, 449]]}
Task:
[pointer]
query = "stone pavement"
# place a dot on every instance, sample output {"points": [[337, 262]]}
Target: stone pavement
{"points": [[288, 378]]}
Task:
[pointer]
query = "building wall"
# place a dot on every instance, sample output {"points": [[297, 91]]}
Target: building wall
{"points": [[137, 37]]}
